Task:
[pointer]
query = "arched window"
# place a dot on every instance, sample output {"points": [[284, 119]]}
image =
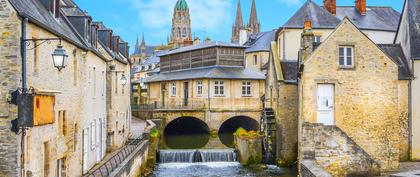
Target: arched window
{"points": [[184, 32], [255, 59]]}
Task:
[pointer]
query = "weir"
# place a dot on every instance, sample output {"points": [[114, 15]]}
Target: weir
{"points": [[196, 156]]}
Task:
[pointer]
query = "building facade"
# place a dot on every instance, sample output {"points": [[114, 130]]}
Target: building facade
{"points": [[69, 133]]}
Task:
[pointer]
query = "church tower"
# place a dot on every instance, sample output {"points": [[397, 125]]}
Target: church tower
{"points": [[181, 24], [239, 24], [253, 23]]}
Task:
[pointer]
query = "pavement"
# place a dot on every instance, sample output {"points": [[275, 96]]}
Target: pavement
{"points": [[137, 127]]}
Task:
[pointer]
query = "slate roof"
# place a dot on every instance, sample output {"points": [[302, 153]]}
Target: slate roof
{"points": [[319, 17], [39, 15], [376, 18], [260, 41], [290, 71], [201, 46], [414, 27], [215, 72], [396, 53]]}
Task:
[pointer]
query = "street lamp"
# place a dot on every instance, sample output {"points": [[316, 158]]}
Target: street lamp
{"points": [[123, 80], [59, 57]]}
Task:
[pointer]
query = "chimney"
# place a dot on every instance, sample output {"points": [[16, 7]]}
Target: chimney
{"points": [[197, 41], [188, 42], [243, 36], [330, 6], [207, 41], [361, 6], [307, 41]]}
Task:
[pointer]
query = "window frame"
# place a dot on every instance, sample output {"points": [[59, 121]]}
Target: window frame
{"points": [[345, 56], [173, 89], [219, 88], [317, 37], [246, 89], [255, 60], [199, 87]]}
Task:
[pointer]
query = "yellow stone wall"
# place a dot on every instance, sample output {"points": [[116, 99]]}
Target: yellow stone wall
{"points": [[416, 112], [262, 58], [366, 97]]}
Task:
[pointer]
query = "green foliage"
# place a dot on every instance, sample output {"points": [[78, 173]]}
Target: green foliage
{"points": [[154, 133], [243, 133]]}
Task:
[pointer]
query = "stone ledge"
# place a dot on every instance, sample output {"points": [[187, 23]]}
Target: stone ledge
{"points": [[415, 173], [309, 168]]}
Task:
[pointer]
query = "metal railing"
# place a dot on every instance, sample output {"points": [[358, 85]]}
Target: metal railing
{"points": [[180, 105], [112, 163]]}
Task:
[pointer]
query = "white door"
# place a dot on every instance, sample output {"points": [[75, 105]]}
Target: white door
{"points": [[326, 104], [103, 137], [98, 140], [85, 148]]}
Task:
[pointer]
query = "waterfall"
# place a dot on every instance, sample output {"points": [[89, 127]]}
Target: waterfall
{"points": [[194, 156]]}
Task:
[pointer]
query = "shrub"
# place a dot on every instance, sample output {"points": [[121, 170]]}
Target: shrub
{"points": [[154, 133], [242, 132]]}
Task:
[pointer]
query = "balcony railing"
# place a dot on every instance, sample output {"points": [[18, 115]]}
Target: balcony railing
{"points": [[179, 105]]}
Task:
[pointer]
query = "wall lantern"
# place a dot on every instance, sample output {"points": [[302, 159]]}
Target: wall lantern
{"points": [[123, 80], [59, 57]]}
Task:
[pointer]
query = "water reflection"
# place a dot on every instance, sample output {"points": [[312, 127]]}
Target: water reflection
{"points": [[186, 141], [218, 169]]}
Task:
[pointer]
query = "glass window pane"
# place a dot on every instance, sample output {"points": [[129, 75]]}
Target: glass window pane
{"points": [[341, 53], [349, 52], [341, 61]]}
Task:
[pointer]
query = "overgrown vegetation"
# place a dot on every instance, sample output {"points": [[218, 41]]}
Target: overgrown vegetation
{"points": [[243, 133], [154, 133]]}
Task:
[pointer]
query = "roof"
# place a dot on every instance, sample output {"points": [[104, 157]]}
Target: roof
{"points": [[376, 18], [38, 14], [201, 46], [319, 17], [260, 41], [181, 5], [148, 52], [396, 53], [290, 70], [413, 8], [215, 72]]}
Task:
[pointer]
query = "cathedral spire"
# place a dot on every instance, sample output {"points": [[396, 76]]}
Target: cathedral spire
{"points": [[239, 24], [137, 47], [143, 45], [253, 23]]}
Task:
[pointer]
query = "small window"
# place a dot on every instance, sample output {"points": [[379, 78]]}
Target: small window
{"points": [[246, 88], [346, 56], [219, 88], [199, 87], [255, 60], [173, 88], [317, 39]]}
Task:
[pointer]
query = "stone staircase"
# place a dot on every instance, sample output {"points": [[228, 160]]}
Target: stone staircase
{"points": [[268, 128], [333, 150]]}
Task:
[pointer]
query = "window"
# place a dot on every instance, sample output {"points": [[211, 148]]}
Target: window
{"points": [[61, 167], [173, 88], [92, 133], [255, 60], [46, 158], [346, 57], [199, 87], [317, 39], [246, 88], [219, 88]]}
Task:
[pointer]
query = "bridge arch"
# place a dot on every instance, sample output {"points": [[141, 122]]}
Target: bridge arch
{"points": [[186, 133], [229, 126]]}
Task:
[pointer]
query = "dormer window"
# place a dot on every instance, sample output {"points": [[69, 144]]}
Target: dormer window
{"points": [[55, 8]]}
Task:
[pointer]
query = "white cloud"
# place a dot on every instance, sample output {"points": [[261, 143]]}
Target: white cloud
{"points": [[290, 2], [213, 15]]}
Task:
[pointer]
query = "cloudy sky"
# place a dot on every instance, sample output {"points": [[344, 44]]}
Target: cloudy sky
{"points": [[212, 18]]}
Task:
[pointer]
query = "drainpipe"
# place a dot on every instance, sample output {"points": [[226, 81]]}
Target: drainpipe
{"points": [[24, 89], [410, 123]]}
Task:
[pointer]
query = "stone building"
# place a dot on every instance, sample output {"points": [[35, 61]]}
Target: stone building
{"points": [[369, 21], [258, 50], [253, 26], [70, 119], [408, 38], [181, 25], [141, 51], [210, 83], [353, 102]]}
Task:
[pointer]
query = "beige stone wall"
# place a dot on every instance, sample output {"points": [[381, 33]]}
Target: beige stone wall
{"points": [[366, 97], [262, 59], [415, 87], [118, 108], [286, 110], [10, 66]]}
